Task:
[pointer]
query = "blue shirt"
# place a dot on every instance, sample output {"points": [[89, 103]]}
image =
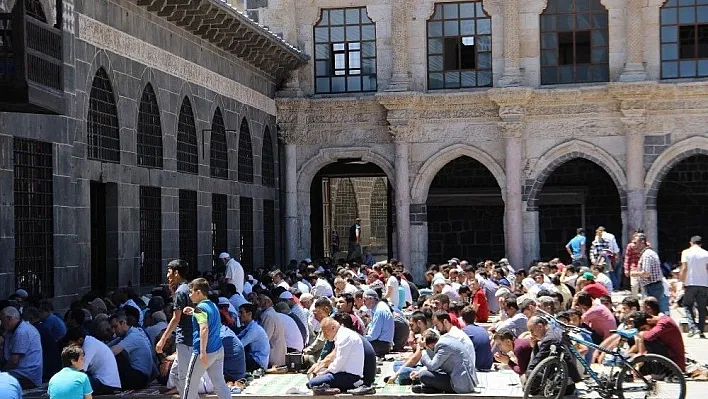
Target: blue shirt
{"points": [[576, 245], [69, 384], [51, 352], [10, 387], [184, 330], [26, 342], [234, 355], [139, 349], [55, 325], [482, 347], [255, 341], [382, 326], [213, 321]]}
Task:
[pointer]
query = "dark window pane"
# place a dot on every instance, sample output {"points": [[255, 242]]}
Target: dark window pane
{"points": [[452, 28], [582, 5], [368, 32], [484, 78], [321, 68], [467, 54], [435, 81], [687, 2], [599, 38], [336, 17], [451, 54], [702, 41], [435, 63], [600, 55], [321, 35], [582, 47], [549, 75], [469, 79], [668, 16], [669, 70], [563, 6], [687, 69], [368, 66], [438, 12], [565, 48], [582, 74], [369, 83], [687, 38], [435, 46], [338, 85], [703, 68], [599, 20], [548, 23], [368, 49], [549, 40], [322, 85], [467, 27], [601, 73], [582, 21], [337, 34], [564, 22], [352, 16], [484, 61], [452, 80], [322, 52], [703, 14], [549, 57], [353, 33], [354, 83], [450, 11]]}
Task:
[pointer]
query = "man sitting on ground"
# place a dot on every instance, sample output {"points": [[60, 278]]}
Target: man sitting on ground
{"points": [[449, 370], [661, 336], [254, 339], [381, 328], [133, 353], [99, 363], [347, 368], [22, 350], [480, 339], [509, 345]]}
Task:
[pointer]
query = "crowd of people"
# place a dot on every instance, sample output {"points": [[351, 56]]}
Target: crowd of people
{"points": [[336, 321]]}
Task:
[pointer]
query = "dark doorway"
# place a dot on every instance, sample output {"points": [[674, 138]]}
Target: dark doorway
{"points": [[682, 206], [340, 193], [104, 226], [465, 213], [579, 193]]}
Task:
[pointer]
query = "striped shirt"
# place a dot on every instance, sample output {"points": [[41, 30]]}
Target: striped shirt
{"points": [[649, 262]]}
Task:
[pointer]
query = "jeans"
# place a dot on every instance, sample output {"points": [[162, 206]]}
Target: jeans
{"points": [[434, 379], [404, 373], [616, 277], [695, 294], [215, 369], [657, 291], [100, 388], [343, 381]]}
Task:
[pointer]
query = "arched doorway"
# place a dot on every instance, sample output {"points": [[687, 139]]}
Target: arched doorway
{"points": [[465, 213], [343, 191], [578, 193], [682, 206]]}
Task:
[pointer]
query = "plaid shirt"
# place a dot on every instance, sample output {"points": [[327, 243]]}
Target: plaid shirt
{"points": [[649, 262], [597, 248], [631, 258]]}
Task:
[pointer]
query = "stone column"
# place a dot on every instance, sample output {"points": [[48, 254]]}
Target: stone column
{"points": [[403, 198], [513, 209], [634, 66], [291, 225], [512, 72], [419, 241], [400, 16], [634, 140]]}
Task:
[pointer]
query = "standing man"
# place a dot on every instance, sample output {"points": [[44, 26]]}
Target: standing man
{"points": [[576, 248], [354, 253], [631, 259], [234, 271], [694, 275], [649, 272], [176, 272]]}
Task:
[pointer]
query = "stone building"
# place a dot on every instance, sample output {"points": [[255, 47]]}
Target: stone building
{"points": [[502, 125], [131, 133]]}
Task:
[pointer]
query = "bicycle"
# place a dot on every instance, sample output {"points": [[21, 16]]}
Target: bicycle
{"points": [[642, 376]]}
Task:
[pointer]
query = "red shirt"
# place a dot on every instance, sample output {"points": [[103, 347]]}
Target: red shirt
{"points": [[480, 299], [455, 321], [667, 332], [596, 290], [522, 351]]}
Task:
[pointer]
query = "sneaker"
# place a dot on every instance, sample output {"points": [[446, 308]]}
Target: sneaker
{"points": [[701, 336], [325, 389], [692, 332], [362, 390]]}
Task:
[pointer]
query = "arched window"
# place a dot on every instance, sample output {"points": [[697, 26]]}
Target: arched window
{"points": [[187, 157], [684, 39], [459, 46], [245, 154], [345, 51], [219, 149], [149, 130], [574, 42], [102, 121], [268, 160]]}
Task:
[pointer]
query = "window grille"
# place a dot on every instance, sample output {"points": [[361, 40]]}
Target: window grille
{"points": [[574, 42], [268, 160], [344, 210], [188, 228], [459, 46], [379, 212], [345, 51], [269, 233], [34, 9], [149, 130], [684, 39], [150, 235], [246, 227], [34, 217], [245, 154], [102, 122], [219, 227], [219, 149], [187, 157]]}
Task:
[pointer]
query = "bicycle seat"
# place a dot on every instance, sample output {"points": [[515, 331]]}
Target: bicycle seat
{"points": [[626, 334]]}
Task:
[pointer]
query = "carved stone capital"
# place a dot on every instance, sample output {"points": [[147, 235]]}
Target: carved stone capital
{"points": [[512, 103], [533, 6], [512, 129], [399, 131], [287, 134]]}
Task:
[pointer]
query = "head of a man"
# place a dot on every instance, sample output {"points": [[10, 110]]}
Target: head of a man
{"points": [[246, 312], [440, 302], [547, 304], [198, 290], [640, 241], [431, 338], [264, 301], [329, 328], [225, 257], [643, 321], [442, 322], [323, 309], [627, 306], [306, 300], [504, 339], [583, 301], [537, 326], [528, 307], [10, 318], [651, 306], [119, 324], [176, 271], [371, 298], [345, 303], [73, 356], [418, 322]]}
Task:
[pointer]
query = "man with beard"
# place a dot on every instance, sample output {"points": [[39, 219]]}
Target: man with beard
{"points": [[449, 369], [418, 323], [443, 323], [345, 304]]}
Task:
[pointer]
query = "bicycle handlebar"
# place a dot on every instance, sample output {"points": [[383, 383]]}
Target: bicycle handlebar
{"points": [[564, 326]]}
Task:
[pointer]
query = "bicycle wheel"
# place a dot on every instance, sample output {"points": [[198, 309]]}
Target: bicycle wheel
{"points": [[663, 379], [548, 380]]}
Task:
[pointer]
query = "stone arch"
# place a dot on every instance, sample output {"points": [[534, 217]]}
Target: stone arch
{"points": [[667, 160], [565, 152], [427, 172]]}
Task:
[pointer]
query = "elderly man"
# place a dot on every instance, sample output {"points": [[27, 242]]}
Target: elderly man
{"points": [[294, 335], [234, 271], [649, 272], [382, 326], [297, 310], [272, 324], [448, 371], [548, 339], [346, 370], [22, 354]]}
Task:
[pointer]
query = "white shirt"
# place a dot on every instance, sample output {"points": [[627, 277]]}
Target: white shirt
{"points": [[393, 282], [322, 288], [284, 285], [612, 241], [605, 281], [696, 259], [407, 290], [451, 293], [100, 362], [293, 338], [304, 288], [349, 353], [234, 272], [350, 289]]}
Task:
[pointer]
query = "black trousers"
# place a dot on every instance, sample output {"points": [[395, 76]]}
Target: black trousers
{"points": [[252, 365], [130, 378], [381, 348], [434, 379], [101, 389], [698, 296]]}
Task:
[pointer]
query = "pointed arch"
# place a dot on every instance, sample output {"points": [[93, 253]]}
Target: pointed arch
{"points": [[245, 154], [103, 133], [219, 161], [149, 137], [665, 162], [187, 156], [268, 160]]}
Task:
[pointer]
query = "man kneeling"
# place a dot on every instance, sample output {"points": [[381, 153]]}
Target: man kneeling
{"points": [[347, 368], [449, 371]]}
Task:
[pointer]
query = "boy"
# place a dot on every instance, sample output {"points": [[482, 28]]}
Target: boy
{"points": [[208, 353], [70, 383]]}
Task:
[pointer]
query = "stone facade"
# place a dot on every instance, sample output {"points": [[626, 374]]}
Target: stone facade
{"points": [[635, 128], [135, 47]]}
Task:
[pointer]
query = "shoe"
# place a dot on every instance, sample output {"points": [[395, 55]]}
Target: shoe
{"points": [[692, 332], [325, 389], [701, 336], [362, 390], [424, 389]]}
